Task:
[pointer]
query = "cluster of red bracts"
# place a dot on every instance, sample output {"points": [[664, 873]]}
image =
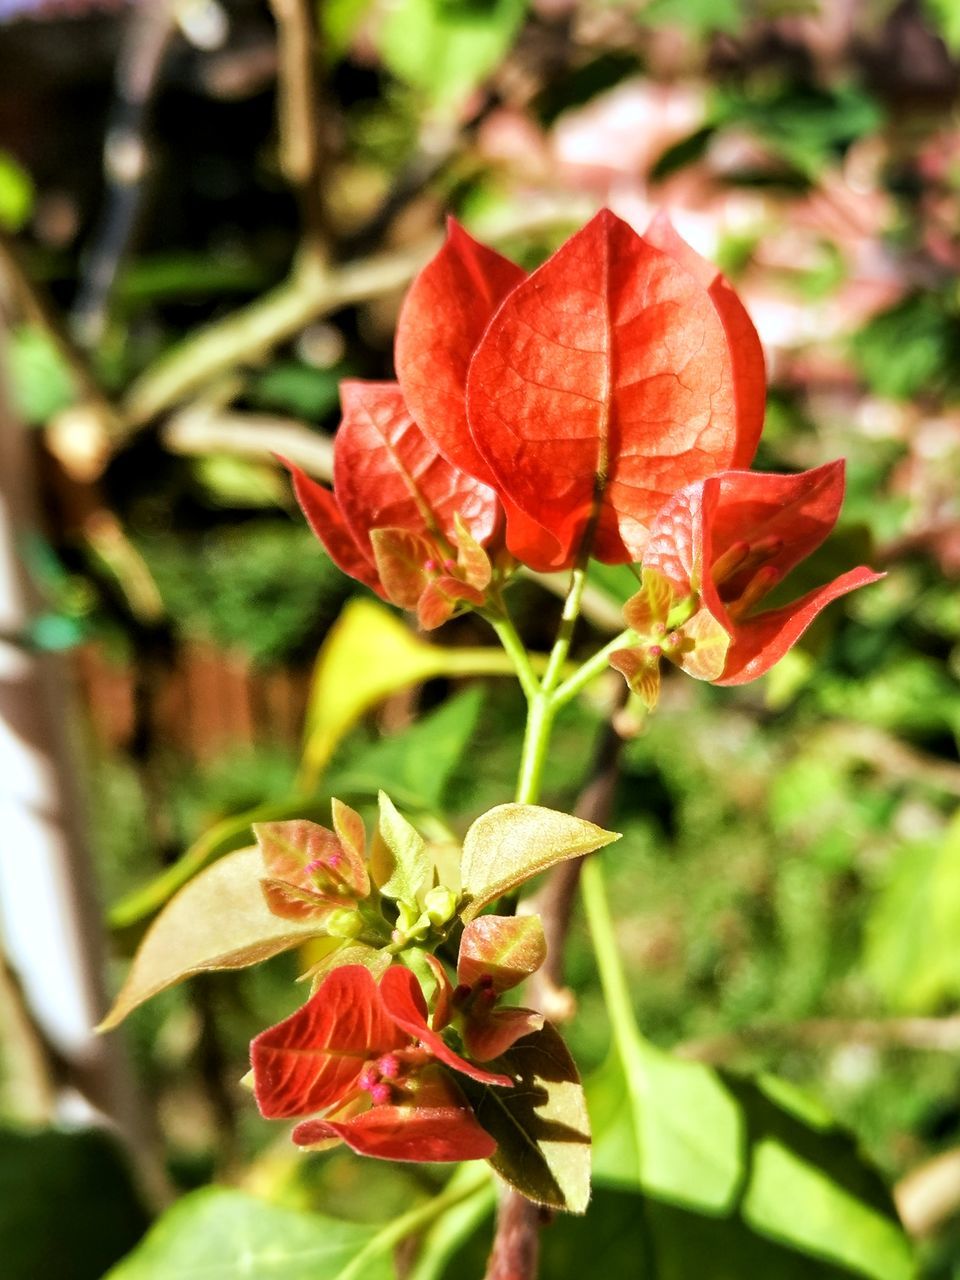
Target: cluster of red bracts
{"points": [[376, 1066], [605, 405]]}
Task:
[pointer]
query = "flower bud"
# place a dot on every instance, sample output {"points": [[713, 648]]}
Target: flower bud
{"points": [[441, 905], [343, 922]]}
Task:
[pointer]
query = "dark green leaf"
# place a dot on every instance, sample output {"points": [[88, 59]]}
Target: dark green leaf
{"points": [[415, 766], [68, 1209], [541, 1125]]}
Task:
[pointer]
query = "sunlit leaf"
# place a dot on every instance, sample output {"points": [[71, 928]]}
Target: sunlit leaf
{"points": [[746, 1156], [913, 932], [446, 48], [220, 1234], [369, 654], [223, 837], [408, 851], [509, 844], [220, 920], [16, 193], [540, 1124], [505, 949]]}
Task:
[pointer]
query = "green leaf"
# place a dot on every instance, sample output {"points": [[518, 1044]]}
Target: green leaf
{"points": [[340, 21], [410, 860], [668, 1126], [16, 193], [541, 1124], [729, 1150], [512, 842], [216, 1234], [447, 48], [220, 920], [913, 932], [702, 17], [416, 765], [946, 17], [299, 389], [40, 382], [368, 655], [68, 1208]]}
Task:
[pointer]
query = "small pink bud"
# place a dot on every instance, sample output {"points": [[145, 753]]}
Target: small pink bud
{"points": [[430, 565], [313, 867], [380, 1093], [368, 1078], [654, 651], [389, 1066], [450, 565]]}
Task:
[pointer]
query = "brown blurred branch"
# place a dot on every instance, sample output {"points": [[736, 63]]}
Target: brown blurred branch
{"points": [[929, 1195], [248, 335], [200, 429], [301, 153]]}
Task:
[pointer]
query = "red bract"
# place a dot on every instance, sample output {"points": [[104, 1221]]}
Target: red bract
{"points": [[444, 316], [367, 1057], [401, 517], [604, 383], [582, 397], [716, 550]]}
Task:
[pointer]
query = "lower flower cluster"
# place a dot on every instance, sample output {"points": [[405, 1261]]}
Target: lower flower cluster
{"points": [[372, 1068]]}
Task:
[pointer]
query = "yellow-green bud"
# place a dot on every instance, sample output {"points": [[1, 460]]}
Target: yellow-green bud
{"points": [[441, 905], [344, 923]]}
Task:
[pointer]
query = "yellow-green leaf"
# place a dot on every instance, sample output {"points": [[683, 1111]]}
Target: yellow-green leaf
{"points": [[509, 844], [403, 854], [220, 920], [368, 655]]}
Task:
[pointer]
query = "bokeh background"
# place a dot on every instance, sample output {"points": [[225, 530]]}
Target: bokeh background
{"points": [[183, 284]]}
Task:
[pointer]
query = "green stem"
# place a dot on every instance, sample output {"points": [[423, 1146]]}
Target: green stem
{"points": [[459, 1188], [568, 621], [613, 980], [517, 653], [590, 669], [536, 740]]}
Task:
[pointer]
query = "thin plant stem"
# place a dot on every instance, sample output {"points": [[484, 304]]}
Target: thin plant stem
{"points": [[517, 652], [613, 980], [536, 741], [589, 670], [568, 622], [456, 1192]]}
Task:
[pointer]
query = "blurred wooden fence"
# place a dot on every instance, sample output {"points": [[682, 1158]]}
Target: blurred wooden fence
{"points": [[202, 702]]}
